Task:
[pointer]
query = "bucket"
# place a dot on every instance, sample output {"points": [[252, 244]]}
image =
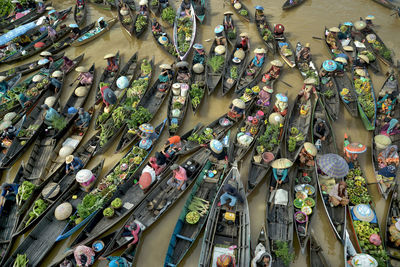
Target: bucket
{"points": [[176, 88], [267, 157], [184, 89]]}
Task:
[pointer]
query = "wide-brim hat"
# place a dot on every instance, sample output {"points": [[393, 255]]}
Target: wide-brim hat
{"points": [[45, 54], [122, 82], [4, 125], [281, 163], [174, 167], [360, 25], [165, 66], [341, 60], [355, 148], [275, 118], [39, 1], [310, 148], [329, 65], [237, 6], [240, 54], [334, 29], [219, 29], [220, 49], [259, 51], [100, 19], [146, 128], [57, 74], [216, 146], [69, 159], [51, 11], [382, 140], [182, 64], [83, 176], [109, 56], [239, 103], [43, 61], [268, 89], [364, 57], [228, 13], [37, 78], [369, 17], [308, 45], [51, 188], [198, 46], [281, 97], [10, 116], [143, 2], [276, 63], [49, 8], [361, 72], [348, 48], [259, 7], [364, 212], [333, 165], [310, 80], [163, 40], [348, 23], [244, 34], [80, 69]]}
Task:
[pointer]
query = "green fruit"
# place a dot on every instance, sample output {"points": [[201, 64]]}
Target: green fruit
{"points": [[23, 143]]}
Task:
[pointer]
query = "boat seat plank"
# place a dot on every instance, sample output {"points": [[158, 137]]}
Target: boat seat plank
{"points": [[185, 238]]}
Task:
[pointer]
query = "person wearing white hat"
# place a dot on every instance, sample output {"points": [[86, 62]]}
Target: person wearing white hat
{"points": [[112, 64], [307, 155], [272, 74], [308, 89], [244, 42], [304, 55], [263, 98], [183, 72], [331, 36], [228, 22], [280, 170], [165, 76], [143, 7], [73, 164], [338, 195], [55, 83], [86, 179], [361, 62], [259, 57], [237, 109], [84, 78], [49, 115]]}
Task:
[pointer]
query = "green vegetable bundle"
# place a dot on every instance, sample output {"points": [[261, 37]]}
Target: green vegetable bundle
{"points": [[38, 208], [24, 192], [21, 261], [196, 93], [282, 251], [168, 15], [140, 23], [216, 63]]}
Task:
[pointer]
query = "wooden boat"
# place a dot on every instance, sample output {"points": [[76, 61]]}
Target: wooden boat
{"points": [[80, 14], [181, 43], [291, 3], [350, 101], [232, 72], [174, 104], [279, 220], [258, 167], [320, 113], [298, 122], [385, 185], [317, 257], [127, 21], [214, 76], [243, 12], [10, 214], [12, 81], [348, 249], [369, 118], [43, 237], [329, 93], [249, 76], [31, 50], [266, 32], [104, 4], [152, 101], [285, 50], [110, 78], [11, 22], [199, 10], [169, 46], [262, 240], [155, 205], [139, 31], [389, 4], [167, 8], [197, 88], [230, 33], [363, 49], [66, 42], [93, 34], [155, 8], [107, 78], [392, 215], [56, 176], [185, 234], [234, 234], [307, 68], [27, 68]]}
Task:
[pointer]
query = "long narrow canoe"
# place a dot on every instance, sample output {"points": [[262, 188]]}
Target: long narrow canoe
{"points": [[94, 33], [168, 46], [266, 32], [67, 41], [80, 13], [291, 3], [350, 100], [232, 72], [198, 87], [140, 26], [363, 49], [392, 216], [243, 12], [214, 76], [285, 50], [235, 234], [127, 21], [184, 26]]}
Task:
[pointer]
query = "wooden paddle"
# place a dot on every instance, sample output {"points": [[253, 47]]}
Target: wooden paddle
{"points": [[318, 38], [275, 190], [286, 83]]}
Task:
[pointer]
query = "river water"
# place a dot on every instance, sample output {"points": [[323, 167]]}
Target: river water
{"points": [[301, 23]]}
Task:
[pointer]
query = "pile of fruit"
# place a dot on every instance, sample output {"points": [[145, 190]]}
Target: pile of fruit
{"points": [[364, 230], [357, 190]]}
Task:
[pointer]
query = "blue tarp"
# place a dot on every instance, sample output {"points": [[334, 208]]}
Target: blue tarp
{"points": [[5, 38]]}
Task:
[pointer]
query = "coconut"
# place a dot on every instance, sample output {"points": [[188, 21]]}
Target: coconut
{"points": [[65, 151], [220, 50], [198, 68], [81, 91], [63, 211], [9, 116], [50, 101], [124, 12], [240, 54]]}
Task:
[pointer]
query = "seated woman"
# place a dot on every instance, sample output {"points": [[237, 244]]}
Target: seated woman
{"points": [[259, 57], [83, 120], [321, 130], [230, 195], [147, 178], [219, 35], [228, 25], [280, 170], [391, 127], [307, 154], [387, 103], [165, 76], [281, 104], [331, 38], [112, 64], [179, 177], [389, 156], [84, 78], [49, 115], [261, 258], [102, 23], [263, 98], [394, 231], [108, 95], [185, 8], [132, 230], [84, 256], [183, 72], [308, 89], [237, 109], [143, 7], [8, 191], [259, 16], [244, 42], [338, 194], [172, 145], [199, 54], [147, 135], [304, 55], [156, 27], [159, 162]]}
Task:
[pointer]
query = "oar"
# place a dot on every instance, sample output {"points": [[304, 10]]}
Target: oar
{"points": [[318, 38], [286, 83]]}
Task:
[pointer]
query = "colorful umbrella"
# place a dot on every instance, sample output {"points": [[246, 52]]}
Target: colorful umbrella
{"points": [[333, 165], [355, 148], [146, 128], [329, 65], [364, 260]]}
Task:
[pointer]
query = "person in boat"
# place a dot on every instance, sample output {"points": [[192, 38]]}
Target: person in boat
{"points": [[85, 77], [40, 6], [259, 57], [67, 65], [219, 35], [75, 31], [280, 170], [71, 112], [244, 42], [108, 95], [273, 73], [345, 31], [304, 55], [394, 231], [86, 179], [218, 152], [146, 138], [226, 260], [391, 127], [112, 64], [326, 73], [387, 103], [48, 55], [3, 85], [124, 9], [199, 54], [321, 130], [259, 16], [80, 3], [237, 109], [368, 21], [307, 155], [159, 162], [17, 6], [388, 156], [66, 263], [341, 63], [230, 194], [228, 22], [183, 71], [49, 115], [8, 191], [361, 62], [279, 30], [9, 133], [55, 83], [52, 16], [24, 100], [281, 104], [173, 145], [179, 177], [350, 157], [156, 27], [165, 76], [116, 261], [338, 195], [51, 32], [261, 258], [73, 164], [143, 7], [331, 37], [147, 178], [185, 8], [102, 23], [84, 256], [264, 96], [308, 89], [83, 120], [164, 4]]}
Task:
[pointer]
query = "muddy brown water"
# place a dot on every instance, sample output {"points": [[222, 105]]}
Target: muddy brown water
{"points": [[301, 24]]}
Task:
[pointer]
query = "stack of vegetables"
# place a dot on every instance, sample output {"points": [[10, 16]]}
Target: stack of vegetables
{"points": [[141, 22], [381, 49], [270, 139], [197, 208], [216, 63], [295, 136], [21, 261], [196, 93], [250, 94], [25, 191], [28, 133], [38, 208], [184, 34], [266, 34], [168, 15], [203, 137], [363, 86], [357, 187]]}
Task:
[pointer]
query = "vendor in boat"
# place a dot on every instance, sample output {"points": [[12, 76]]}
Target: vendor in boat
{"points": [[179, 177], [341, 63], [279, 30], [369, 19], [84, 256], [237, 109], [389, 156], [273, 73], [80, 3], [49, 115], [219, 35], [185, 8], [338, 195], [173, 145], [259, 15], [67, 65], [281, 104], [17, 6], [83, 120], [3, 85], [156, 27], [143, 7], [321, 130], [8, 191], [307, 155], [230, 194], [280, 170], [165, 76], [304, 55], [108, 95], [112, 65], [308, 89], [55, 83], [351, 151], [24, 101], [147, 178], [48, 55], [159, 162], [116, 261], [327, 71], [183, 72], [387, 103], [75, 31], [361, 62], [261, 257], [394, 231], [345, 31], [391, 127], [86, 179], [228, 22], [73, 164], [24, 40], [52, 16], [331, 37], [85, 77], [244, 42], [263, 98], [218, 152], [45, 65], [51, 33], [259, 57], [199, 54], [9, 133], [146, 135], [102, 23]]}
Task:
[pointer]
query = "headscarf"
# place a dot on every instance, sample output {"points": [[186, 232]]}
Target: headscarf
{"points": [[387, 154], [392, 124]]}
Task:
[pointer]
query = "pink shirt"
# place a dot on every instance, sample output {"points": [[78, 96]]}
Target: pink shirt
{"points": [[180, 174]]}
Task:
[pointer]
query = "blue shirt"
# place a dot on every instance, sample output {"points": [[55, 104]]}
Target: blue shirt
{"points": [[84, 118], [13, 189], [122, 262], [76, 163], [280, 173], [51, 114], [258, 64]]}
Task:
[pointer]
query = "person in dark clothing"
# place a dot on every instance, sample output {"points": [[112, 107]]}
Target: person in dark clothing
{"points": [[231, 194]]}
